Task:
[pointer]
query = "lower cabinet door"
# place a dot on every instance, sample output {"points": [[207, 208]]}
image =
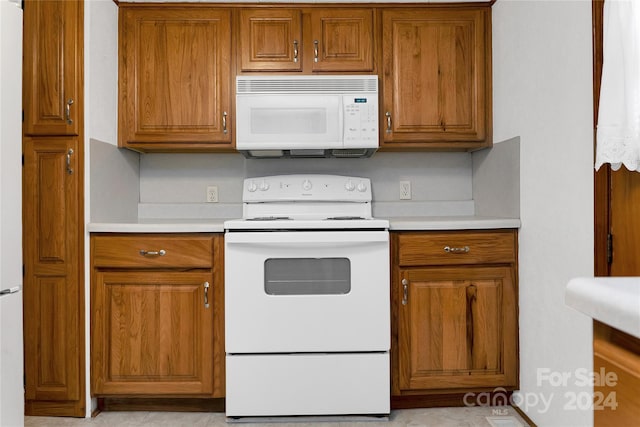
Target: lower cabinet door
{"points": [[458, 328], [152, 333]]}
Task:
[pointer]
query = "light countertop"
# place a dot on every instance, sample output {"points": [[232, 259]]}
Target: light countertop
{"points": [[417, 223], [163, 225], [614, 301], [215, 225]]}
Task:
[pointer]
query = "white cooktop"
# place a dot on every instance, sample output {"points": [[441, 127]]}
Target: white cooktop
{"points": [[295, 202], [306, 224]]}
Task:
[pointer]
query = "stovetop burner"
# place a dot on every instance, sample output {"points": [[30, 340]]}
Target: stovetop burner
{"points": [[269, 218], [343, 218]]}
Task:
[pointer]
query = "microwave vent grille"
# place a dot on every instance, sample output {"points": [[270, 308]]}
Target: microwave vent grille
{"points": [[307, 84]]}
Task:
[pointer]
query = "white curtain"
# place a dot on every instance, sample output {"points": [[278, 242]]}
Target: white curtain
{"points": [[618, 132]]}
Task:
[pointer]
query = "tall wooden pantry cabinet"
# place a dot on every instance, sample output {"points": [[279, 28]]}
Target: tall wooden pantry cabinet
{"points": [[53, 208]]}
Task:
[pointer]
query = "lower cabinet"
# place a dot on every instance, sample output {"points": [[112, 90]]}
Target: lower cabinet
{"points": [[454, 312], [616, 383], [157, 315]]}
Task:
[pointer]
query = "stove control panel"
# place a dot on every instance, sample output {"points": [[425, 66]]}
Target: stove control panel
{"points": [[327, 188]]}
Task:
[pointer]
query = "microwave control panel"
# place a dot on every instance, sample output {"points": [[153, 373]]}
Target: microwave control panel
{"points": [[360, 118]]}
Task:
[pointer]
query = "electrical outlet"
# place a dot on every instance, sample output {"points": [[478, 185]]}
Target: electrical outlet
{"points": [[212, 194], [405, 190]]}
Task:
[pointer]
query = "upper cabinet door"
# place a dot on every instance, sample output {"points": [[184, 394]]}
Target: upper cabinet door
{"points": [[437, 78], [270, 40], [342, 39], [52, 67], [175, 78]]}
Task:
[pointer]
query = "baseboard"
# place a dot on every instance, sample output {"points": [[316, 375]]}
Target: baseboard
{"points": [[43, 408], [495, 398], [160, 404]]}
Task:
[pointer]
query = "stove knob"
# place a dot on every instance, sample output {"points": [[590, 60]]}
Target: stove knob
{"points": [[362, 187], [251, 186], [306, 185], [349, 186], [264, 185]]}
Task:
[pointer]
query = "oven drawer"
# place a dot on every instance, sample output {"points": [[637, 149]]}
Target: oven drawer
{"points": [[153, 251], [307, 384], [449, 248]]}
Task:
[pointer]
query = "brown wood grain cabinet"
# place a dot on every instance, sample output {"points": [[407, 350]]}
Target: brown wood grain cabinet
{"points": [[157, 315], [454, 298], [175, 78], [53, 296], [616, 364], [436, 78], [52, 70], [178, 63], [53, 208], [306, 40]]}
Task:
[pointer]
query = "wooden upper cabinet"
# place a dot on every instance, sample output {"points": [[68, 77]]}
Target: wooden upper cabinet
{"points": [[297, 40], [436, 78], [270, 40], [53, 67], [342, 39], [175, 77]]}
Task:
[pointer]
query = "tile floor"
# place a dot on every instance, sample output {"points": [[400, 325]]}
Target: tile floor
{"points": [[432, 417]]}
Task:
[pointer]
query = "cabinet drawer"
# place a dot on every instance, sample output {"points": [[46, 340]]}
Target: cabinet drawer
{"points": [[153, 251], [456, 248]]}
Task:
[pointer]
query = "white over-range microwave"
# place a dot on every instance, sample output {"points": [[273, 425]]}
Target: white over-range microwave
{"points": [[307, 116]]}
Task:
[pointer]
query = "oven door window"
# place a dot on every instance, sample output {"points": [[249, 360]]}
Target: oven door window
{"points": [[307, 276]]}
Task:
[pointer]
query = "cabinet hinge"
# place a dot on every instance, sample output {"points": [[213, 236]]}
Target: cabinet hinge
{"points": [[609, 248]]}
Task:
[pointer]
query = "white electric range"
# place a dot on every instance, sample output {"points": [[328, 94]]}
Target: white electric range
{"points": [[307, 312]]}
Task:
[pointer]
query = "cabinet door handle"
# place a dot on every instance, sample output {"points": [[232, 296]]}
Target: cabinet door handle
{"points": [[405, 291], [295, 51], [206, 294], [161, 252], [69, 169], [68, 111], [315, 51], [388, 116], [471, 297], [462, 250], [224, 122]]}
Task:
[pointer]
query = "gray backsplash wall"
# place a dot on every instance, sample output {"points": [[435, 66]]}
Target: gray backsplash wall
{"points": [[114, 176], [496, 180], [183, 178], [126, 185]]}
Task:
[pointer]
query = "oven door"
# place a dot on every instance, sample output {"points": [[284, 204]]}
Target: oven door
{"points": [[307, 291]]}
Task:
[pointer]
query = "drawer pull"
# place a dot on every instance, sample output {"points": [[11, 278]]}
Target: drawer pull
{"points": [[462, 250], [161, 252]]}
